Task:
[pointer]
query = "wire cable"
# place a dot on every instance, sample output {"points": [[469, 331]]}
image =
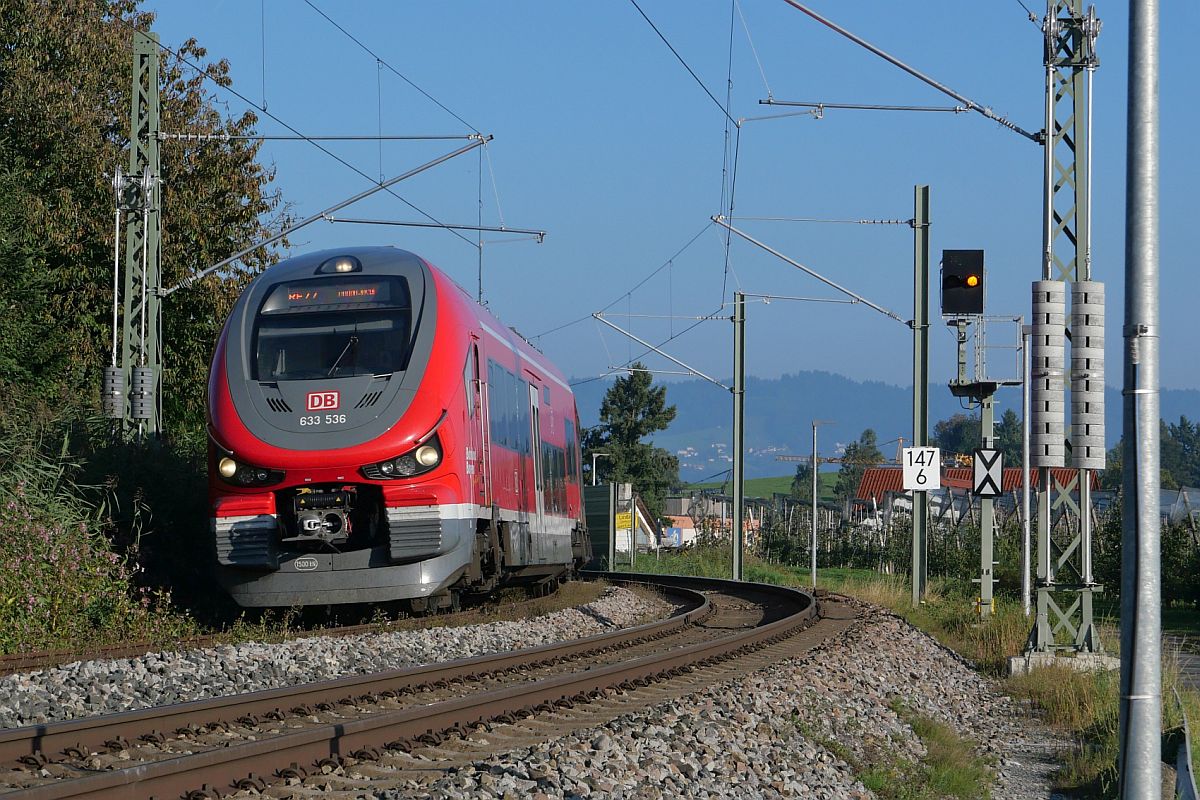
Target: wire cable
{"points": [[392, 69], [647, 352], [204, 74], [753, 49], [1032, 17], [681, 61], [634, 288]]}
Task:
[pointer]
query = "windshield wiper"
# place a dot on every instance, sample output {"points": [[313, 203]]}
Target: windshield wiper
{"points": [[352, 344]]}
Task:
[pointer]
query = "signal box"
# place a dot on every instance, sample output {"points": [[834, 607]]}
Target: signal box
{"points": [[962, 282]]}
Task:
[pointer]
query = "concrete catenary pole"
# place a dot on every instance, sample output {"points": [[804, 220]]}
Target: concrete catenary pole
{"points": [[1026, 529], [1139, 766]]}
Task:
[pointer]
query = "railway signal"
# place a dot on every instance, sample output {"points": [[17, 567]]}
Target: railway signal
{"points": [[962, 282]]}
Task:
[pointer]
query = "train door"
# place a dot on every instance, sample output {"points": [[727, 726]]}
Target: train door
{"points": [[478, 456], [538, 522]]}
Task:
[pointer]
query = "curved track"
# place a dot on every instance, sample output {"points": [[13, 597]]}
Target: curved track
{"points": [[252, 740]]}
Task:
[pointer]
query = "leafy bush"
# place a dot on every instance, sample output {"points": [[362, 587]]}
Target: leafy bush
{"points": [[62, 584]]}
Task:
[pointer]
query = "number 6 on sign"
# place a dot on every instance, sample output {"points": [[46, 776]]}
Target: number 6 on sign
{"points": [[922, 468]]}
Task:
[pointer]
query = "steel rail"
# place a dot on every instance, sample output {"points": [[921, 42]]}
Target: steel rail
{"points": [[228, 766], [42, 659], [94, 732]]}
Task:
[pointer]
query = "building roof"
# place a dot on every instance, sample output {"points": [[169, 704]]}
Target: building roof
{"points": [[878, 481]]}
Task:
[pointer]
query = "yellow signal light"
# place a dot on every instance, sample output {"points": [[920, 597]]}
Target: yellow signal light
{"points": [[972, 281]]}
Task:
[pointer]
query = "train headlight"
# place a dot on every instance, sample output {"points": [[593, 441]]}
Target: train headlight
{"points": [[246, 475], [415, 462], [428, 456]]}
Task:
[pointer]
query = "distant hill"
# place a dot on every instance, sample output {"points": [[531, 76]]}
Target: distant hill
{"points": [[779, 414]]}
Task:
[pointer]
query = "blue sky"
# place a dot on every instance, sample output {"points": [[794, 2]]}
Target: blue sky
{"points": [[606, 142]]}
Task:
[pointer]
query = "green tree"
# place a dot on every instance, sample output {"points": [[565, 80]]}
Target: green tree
{"points": [[1008, 438], [65, 76], [632, 410], [1180, 451], [959, 434], [858, 456], [802, 482]]}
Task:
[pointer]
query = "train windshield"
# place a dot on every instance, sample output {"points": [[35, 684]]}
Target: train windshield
{"points": [[333, 329]]}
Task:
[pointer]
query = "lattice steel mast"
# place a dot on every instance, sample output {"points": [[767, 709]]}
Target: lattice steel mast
{"points": [[1064, 563], [133, 384]]}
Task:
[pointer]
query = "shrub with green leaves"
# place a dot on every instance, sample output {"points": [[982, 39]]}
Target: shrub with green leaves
{"points": [[62, 585]]}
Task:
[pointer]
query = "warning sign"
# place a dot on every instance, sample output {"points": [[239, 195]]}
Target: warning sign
{"points": [[988, 472]]}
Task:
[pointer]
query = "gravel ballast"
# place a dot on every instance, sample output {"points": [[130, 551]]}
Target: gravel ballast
{"points": [[786, 731], [805, 727], [87, 688]]}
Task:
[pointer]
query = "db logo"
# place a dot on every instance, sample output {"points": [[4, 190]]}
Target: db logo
{"points": [[323, 401]]}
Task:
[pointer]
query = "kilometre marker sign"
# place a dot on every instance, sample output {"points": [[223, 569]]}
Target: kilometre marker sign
{"points": [[922, 468]]}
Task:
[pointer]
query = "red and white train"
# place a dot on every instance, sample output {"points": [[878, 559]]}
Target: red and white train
{"points": [[376, 435]]}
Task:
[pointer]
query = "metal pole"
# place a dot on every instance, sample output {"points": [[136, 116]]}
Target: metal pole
{"points": [[183, 284], [920, 328], [1026, 535], [1139, 765], [987, 519], [814, 506], [594, 457], [739, 417]]}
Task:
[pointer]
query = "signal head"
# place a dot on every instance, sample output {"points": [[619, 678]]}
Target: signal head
{"points": [[962, 282]]}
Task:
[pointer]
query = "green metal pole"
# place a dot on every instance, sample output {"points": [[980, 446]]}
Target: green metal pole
{"points": [[920, 326], [141, 342], [739, 416], [987, 519]]}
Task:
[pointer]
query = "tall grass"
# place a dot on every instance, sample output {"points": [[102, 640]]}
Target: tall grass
{"points": [[62, 584]]}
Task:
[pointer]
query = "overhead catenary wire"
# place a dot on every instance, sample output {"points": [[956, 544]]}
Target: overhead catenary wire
{"points": [[813, 273], [657, 349], [675, 52], [189, 280], [644, 353], [204, 75], [634, 288], [753, 49], [971, 104], [390, 68]]}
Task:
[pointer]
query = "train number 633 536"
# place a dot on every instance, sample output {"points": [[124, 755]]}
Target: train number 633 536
{"points": [[318, 419]]}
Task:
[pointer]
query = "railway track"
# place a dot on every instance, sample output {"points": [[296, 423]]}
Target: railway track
{"points": [[26, 662], [387, 727]]}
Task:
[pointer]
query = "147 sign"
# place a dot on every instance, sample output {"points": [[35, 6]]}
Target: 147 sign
{"points": [[922, 468]]}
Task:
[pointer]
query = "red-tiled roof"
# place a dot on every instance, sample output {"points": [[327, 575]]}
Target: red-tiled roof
{"points": [[878, 481]]}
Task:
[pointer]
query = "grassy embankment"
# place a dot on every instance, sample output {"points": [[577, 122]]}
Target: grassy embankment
{"points": [[1082, 706]]}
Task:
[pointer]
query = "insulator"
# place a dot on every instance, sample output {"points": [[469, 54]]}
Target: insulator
{"points": [[1087, 375], [1047, 373], [141, 397], [114, 393]]}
